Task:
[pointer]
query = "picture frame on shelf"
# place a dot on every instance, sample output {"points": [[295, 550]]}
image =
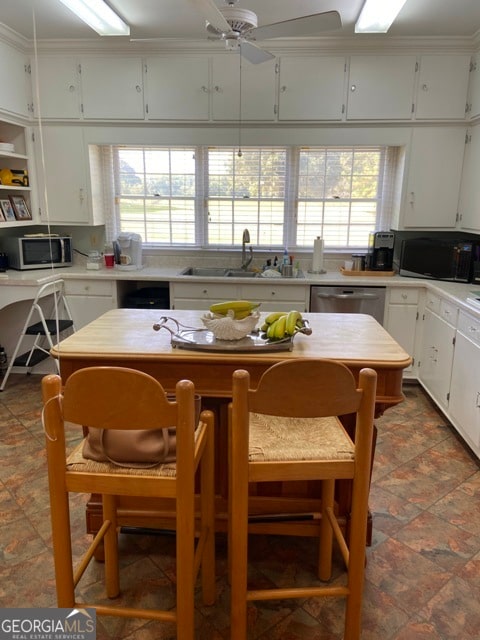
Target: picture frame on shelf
{"points": [[20, 207], [7, 210]]}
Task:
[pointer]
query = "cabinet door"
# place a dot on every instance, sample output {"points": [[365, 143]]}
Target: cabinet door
{"points": [[464, 405], [434, 174], [442, 87], [474, 88], [437, 356], [257, 88], [311, 88], [59, 83], [64, 176], [402, 319], [177, 88], [14, 81], [85, 309], [112, 88], [469, 204], [381, 87]]}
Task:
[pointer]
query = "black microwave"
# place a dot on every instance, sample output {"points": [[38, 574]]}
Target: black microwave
{"points": [[438, 259], [38, 252]]}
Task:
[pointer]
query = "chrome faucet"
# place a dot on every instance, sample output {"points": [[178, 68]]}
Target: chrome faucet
{"points": [[246, 261]]}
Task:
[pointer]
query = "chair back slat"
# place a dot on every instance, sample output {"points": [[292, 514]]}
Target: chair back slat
{"points": [[113, 398], [307, 389]]}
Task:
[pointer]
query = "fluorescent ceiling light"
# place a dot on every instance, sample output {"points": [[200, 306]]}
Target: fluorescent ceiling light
{"points": [[377, 15], [99, 16]]}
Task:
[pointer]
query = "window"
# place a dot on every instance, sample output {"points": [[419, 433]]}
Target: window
{"points": [[286, 196]]}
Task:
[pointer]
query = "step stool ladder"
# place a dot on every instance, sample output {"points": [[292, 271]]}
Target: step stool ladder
{"points": [[51, 317]]}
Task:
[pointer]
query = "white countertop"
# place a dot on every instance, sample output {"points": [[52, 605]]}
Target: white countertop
{"points": [[455, 292]]}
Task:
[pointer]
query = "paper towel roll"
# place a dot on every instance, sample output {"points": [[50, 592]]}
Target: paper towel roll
{"points": [[317, 262]]}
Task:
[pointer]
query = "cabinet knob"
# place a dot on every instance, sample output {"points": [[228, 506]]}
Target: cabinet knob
{"points": [[204, 89], [404, 296], [283, 89], [217, 89], [472, 329], [138, 89], [205, 291], [71, 88], [353, 87], [424, 87]]}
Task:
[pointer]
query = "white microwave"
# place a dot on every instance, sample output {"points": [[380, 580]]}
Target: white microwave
{"points": [[38, 252]]}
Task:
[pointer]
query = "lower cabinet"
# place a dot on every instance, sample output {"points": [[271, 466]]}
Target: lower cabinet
{"points": [[89, 299], [464, 401], [403, 321], [438, 346], [187, 295]]}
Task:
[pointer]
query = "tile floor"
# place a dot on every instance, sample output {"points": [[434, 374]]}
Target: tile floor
{"points": [[423, 571]]}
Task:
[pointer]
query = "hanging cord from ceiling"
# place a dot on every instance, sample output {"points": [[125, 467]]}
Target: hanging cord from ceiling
{"points": [[239, 152]]}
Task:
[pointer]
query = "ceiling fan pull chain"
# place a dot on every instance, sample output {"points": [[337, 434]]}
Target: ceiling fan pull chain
{"points": [[239, 152]]}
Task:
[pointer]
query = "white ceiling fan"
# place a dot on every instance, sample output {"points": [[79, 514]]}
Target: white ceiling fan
{"points": [[238, 27]]}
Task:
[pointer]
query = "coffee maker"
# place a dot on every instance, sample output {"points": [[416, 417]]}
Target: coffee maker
{"points": [[127, 249], [380, 251]]}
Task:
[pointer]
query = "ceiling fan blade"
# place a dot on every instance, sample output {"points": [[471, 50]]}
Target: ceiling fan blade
{"points": [[254, 54], [212, 15], [308, 25]]}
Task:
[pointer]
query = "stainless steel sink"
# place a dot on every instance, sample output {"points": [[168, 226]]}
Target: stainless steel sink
{"points": [[217, 272], [239, 273], [205, 272]]}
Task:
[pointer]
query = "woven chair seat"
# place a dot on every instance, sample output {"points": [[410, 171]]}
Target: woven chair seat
{"points": [[76, 462], [279, 438]]}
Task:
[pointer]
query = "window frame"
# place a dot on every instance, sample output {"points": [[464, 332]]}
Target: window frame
{"points": [[291, 197]]}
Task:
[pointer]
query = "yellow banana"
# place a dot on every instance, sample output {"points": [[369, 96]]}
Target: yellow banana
{"points": [[291, 323], [241, 308], [280, 325], [271, 331], [275, 315]]}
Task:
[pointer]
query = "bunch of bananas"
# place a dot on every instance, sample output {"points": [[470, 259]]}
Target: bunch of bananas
{"points": [[282, 324], [241, 308]]}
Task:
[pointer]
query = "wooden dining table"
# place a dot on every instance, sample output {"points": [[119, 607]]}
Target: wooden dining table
{"points": [[126, 337]]}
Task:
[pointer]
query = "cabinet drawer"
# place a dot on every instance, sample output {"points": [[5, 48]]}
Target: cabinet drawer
{"points": [[469, 326], [89, 287], [432, 302], [212, 291], [268, 292], [402, 295], [449, 312]]}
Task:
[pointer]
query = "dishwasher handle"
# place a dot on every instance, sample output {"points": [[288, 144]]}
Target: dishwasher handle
{"points": [[348, 296]]}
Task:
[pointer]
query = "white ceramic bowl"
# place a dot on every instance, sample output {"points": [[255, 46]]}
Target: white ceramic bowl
{"points": [[227, 328]]}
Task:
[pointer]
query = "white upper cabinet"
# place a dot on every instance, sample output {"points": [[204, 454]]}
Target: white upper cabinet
{"points": [[434, 174], [257, 83], [311, 88], [381, 87], [63, 173], [203, 88], [442, 87], [177, 88], [58, 81], [112, 88], [474, 87], [15, 92], [469, 205]]}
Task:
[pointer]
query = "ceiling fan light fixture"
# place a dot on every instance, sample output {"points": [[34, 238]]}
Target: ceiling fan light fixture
{"points": [[99, 16], [377, 16]]}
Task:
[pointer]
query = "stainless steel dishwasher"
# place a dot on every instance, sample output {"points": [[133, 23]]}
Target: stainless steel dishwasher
{"points": [[332, 299]]}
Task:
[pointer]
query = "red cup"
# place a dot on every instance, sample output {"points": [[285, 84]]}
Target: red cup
{"points": [[109, 260]]}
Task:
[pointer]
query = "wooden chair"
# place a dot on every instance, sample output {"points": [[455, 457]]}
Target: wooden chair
{"points": [[288, 429], [121, 398]]}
